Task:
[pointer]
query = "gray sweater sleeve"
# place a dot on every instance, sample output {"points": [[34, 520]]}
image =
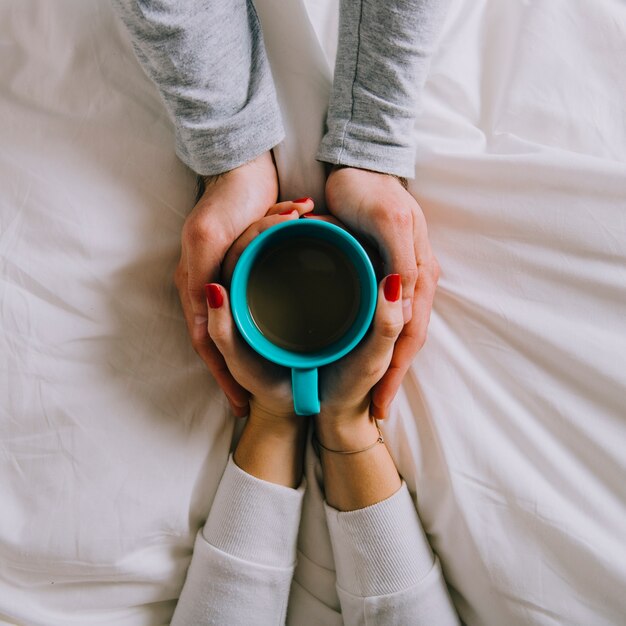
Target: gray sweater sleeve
{"points": [[208, 61], [383, 57]]}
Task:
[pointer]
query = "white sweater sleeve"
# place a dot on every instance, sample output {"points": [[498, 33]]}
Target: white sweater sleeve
{"points": [[386, 572], [244, 557]]}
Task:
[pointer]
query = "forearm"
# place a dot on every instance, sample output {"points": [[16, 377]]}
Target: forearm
{"points": [[382, 63], [209, 64], [385, 567], [247, 548], [272, 448]]}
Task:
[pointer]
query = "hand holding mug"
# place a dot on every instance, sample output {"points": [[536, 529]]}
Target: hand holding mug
{"points": [[378, 207], [303, 295], [346, 384]]}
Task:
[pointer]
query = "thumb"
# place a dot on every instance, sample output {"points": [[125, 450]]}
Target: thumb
{"points": [[388, 323], [371, 359], [244, 364], [204, 251]]}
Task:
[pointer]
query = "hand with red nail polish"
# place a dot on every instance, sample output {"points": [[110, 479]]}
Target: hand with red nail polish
{"points": [[345, 422], [211, 230], [378, 207], [208, 232], [271, 446], [345, 386], [269, 385]]}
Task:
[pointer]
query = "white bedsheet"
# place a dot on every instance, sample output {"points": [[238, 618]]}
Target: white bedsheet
{"points": [[511, 426]]}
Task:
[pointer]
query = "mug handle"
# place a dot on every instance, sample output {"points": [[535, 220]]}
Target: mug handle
{"points": [[305, 396]]}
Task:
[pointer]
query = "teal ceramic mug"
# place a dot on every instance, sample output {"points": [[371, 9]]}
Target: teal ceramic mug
{"points": [[304, 364]]}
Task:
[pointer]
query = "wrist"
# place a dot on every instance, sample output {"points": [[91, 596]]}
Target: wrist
{"points": [[401, 179], [350, 433], [276, 422], [264, 164], [271, 447]]}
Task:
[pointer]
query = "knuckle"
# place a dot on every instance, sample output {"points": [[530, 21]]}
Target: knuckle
{"points": [[390, 328], [376, 374], [409, 278], [403, 219], [197, 298], [397, 217], [415, 335], [368, 373], [193, 230], [375, 371], [198, 232], [218, 332], [199, 345]]}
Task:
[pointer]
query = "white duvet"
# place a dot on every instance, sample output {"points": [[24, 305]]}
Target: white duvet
{"points": [[511, 426]]}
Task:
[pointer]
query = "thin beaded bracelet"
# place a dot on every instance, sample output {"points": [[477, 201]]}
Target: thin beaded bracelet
{"points": [[319, 444]]}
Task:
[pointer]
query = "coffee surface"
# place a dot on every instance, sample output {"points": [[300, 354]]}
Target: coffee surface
{"points": [[303, 294]]}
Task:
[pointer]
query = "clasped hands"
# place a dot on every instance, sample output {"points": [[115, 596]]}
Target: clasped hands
{"points": [[237, 205]]}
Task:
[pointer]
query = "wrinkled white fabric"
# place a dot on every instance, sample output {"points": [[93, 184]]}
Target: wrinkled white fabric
{"points": [[510, 428]]}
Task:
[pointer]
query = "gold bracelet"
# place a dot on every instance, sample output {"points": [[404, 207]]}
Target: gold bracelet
{"points": [[319, 444]]}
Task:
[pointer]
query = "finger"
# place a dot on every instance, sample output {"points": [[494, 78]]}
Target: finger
{"points": [[426, 284], [409, 343], [207, 236], [372, 358], [243, 241], [385, 390], [194, 321], [393, 232], [236, 395], [203, 252], [302, 205], [244, 364], [331, 219], [389, 224], [414, 334]]}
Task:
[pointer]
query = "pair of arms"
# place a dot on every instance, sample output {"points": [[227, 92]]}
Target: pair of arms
{"points": [[244, 558], [208, 61]]}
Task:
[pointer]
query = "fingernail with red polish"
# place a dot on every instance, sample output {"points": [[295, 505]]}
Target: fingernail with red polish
{"points": [[303, 200], [311, 214], [287, 212], [214, 295], [393, 285]]}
